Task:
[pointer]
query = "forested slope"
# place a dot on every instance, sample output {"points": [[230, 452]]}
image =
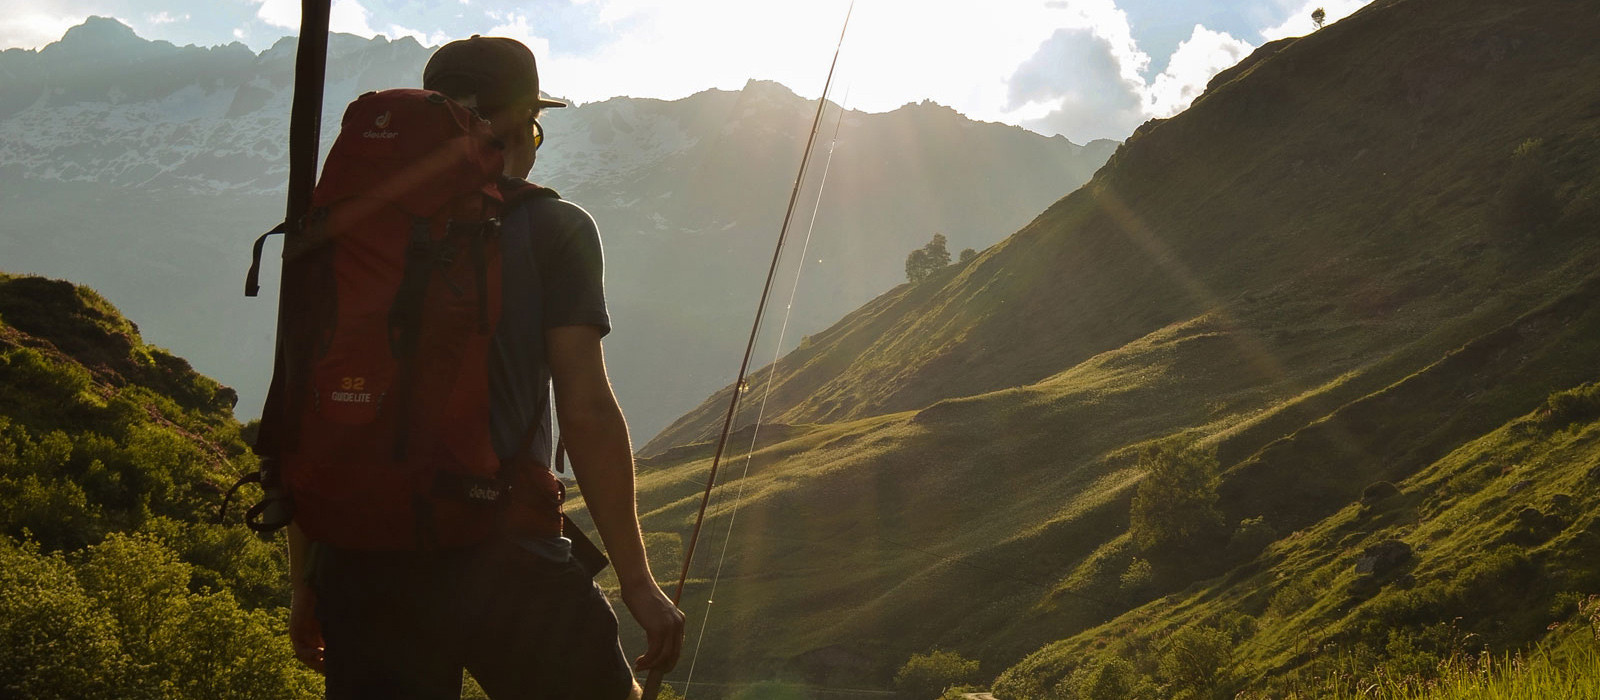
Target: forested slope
{"points": [[115, 581]]}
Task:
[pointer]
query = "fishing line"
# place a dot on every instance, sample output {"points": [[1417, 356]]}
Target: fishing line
{"points": [[653, 682], [772, 373]]}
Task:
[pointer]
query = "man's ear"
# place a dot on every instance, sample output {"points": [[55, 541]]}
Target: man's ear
{"points": [[511, 123]]}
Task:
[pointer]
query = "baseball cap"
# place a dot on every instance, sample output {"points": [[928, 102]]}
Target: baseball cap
{"points": [[498, 70]]}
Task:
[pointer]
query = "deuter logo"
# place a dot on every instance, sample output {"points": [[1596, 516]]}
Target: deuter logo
{"points": [[352, 397], [382, 131], [479, 492]]}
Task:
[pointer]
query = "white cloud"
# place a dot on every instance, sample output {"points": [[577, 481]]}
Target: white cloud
{"points": [[279, 13], [1299, 22], [1078, 77], [32, 30], [1089, 75], [516, 26], [1196, 60], [347, 16], [239, 33], [166, 18], [350, 17], [396, 31]]}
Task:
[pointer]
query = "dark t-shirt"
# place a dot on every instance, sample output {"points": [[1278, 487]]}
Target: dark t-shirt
{"points": [[553, 276]]}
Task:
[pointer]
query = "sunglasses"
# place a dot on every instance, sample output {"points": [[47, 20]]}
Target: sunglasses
{"points": [[538, 132]]}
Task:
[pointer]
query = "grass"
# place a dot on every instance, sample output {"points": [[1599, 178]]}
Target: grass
{"points": [[1568, 667]]}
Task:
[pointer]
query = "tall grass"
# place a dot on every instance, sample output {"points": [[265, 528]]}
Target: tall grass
{"points": [[1565, 667]]}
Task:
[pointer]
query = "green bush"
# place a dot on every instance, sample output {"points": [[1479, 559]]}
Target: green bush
{"points": [[1563, 408], [1251, 537], [1113, 679], [928, 675], [124, 623], [1139, 576], [1526, 201], [55, 640], [1197, 661], [1176, 503], [1290, 598]]}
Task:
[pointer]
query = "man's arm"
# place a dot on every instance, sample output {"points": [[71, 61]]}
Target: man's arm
{"points": [[305, 633], [596, 437]]}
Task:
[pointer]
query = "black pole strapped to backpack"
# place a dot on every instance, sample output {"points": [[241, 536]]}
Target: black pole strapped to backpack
{"points": [[305, 134]]}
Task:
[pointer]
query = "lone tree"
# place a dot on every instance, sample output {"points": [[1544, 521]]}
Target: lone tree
{"points": [[967, 254], [1318, 16], [928, 259]]}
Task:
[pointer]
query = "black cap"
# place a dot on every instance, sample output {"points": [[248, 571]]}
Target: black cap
{"points": [[499, 71]]}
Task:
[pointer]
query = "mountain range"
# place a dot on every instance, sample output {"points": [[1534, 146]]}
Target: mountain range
{"points": [[145, 169]]}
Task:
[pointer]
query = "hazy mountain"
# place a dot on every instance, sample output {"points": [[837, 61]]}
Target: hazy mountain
{"points": [[145, 169], [1358, 268]]}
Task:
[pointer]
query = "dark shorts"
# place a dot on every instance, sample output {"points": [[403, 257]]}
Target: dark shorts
{"points": [[405, 624]]}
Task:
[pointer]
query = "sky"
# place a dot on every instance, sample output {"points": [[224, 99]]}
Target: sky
{"points": [[1085, 69]]}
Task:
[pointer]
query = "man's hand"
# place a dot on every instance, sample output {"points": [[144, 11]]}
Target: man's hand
{"points": [[662, 623], [305, 632]]}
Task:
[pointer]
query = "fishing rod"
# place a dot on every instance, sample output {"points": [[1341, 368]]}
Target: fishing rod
{"points": [[653, 682], [761, 412]]}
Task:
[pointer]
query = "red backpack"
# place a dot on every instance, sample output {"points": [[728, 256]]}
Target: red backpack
{"points": [[377, 422]]}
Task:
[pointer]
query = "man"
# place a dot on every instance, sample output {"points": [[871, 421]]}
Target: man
{"points": [[519, 612]]}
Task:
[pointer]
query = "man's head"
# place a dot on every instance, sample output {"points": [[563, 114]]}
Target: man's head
{"points": [[497, 77]]}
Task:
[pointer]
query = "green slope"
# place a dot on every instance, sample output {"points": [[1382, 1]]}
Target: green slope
{"points": [[1350, 177], [1361, 251], [115, 579]]}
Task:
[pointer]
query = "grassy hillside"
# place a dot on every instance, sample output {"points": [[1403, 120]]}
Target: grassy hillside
{"points": [[1354, 182], [1496, 541], [1363, 257], [115, 579]]}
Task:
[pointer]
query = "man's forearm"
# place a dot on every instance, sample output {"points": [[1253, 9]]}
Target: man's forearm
{"points": [[299, 555], [596, 437]]}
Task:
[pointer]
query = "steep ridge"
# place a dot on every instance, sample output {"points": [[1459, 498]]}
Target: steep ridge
{"points": [[1271, 199], [1359, 253], [176, 157]]}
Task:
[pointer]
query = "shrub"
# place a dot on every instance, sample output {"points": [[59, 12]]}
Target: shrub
{"points": [[1138, 577], [1290, 598], [55, 642], [1563, 408], [1252, 536], [928, 675], [1378, 492], [1526, 202], [1115, 679], [1176, 503], [1197, 660]]}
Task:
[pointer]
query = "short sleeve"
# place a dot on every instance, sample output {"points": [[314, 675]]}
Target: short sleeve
{"points": [[571, 265]]}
